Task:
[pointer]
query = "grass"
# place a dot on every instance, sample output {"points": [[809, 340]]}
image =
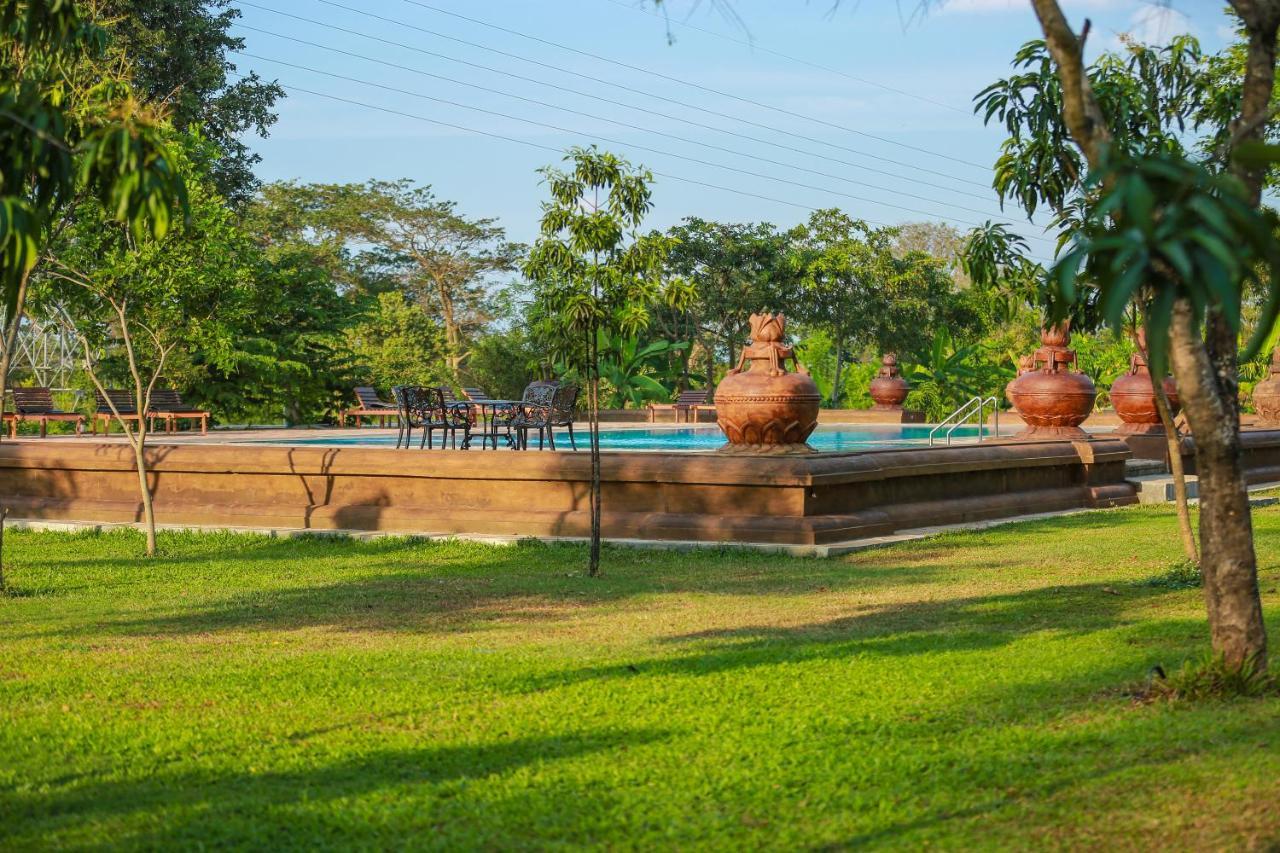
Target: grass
{"points": [[968, 691]]}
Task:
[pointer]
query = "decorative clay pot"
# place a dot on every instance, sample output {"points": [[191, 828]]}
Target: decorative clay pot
{"points": [[761, 408], [1052, 399], [1134, 400], [1266, 394], [889, 389]]}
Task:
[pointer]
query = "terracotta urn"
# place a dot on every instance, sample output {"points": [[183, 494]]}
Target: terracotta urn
{"points": [[1266, 394], [1134, 400], [889, 389], [760, 406], [1051, 398]]}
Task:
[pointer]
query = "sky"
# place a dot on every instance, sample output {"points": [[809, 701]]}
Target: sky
{"points": [[764, 112]]}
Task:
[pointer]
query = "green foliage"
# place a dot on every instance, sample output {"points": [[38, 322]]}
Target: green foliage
{"points": [[1183, 574], [734, 270], [1150, 94], [1210, 679], [65, 127], [632, 373], [592, 271], [187, 292], [176, 53], [817, 354], [399, 344], [1165, 229], [502, 362]]}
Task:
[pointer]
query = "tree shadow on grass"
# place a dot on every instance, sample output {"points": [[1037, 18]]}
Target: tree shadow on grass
{"points": [[963, 624], [276, 809]]}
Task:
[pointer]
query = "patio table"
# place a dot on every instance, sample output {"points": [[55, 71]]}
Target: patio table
{"points": [[488, 422]]}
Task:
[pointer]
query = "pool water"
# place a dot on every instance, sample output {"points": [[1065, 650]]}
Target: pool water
{"points": [[834, 438]]}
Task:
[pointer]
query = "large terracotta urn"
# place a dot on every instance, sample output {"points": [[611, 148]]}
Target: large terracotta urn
{"points": [[1051, 398], [1266, 394], [888, 388], [1134, 399], [760, 406]]}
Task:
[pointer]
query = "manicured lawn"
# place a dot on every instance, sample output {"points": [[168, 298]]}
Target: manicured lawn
{"points": [[961, 692]]}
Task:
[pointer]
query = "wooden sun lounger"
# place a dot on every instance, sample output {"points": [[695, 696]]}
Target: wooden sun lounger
{"points": [[369, 405], [124, 405], [168, 408], [36, 404], [689, 402]]}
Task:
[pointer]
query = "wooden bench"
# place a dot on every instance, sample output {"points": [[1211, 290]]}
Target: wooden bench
{"points": [[36, 404], [689, 402]]}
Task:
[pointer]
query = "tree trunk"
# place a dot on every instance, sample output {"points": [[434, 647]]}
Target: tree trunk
{"points": [[144, 489], [1227, 559], [452, 334], [12, 324], [593, 567], [4, 515], [1174, 440], [835, 383]]}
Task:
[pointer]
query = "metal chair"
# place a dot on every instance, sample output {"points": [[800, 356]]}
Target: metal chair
{"points": [[547, 405]]}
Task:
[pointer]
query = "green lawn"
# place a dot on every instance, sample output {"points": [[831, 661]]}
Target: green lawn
{"points": [[964, 691]]}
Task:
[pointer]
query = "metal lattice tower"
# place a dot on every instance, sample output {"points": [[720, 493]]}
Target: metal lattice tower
{"points": [[44, 354]]}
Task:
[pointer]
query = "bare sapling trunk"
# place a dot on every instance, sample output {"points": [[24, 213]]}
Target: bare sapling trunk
{"points": [[1227, 560], [4, 515], [142, 392], [1176, 469], [593, 394]]}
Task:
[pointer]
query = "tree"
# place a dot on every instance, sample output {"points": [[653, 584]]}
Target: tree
{"points": [[594, 272], [134, 302], [67, 130], [734, 270], [442, 259], [400, 344], [856, 289], [1183, 241], [176, 55]]}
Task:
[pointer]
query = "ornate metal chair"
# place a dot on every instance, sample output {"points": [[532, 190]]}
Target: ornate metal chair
{"points": [[425, 409], [547, 405]]}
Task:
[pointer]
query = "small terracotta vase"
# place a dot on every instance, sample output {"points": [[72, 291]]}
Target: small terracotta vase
{"points": [[760, 407], [889, 389], [1266, 394], [1051, 398], [1134, 399]]}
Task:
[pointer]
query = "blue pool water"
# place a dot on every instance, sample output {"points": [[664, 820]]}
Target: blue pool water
{"points": [[835, 438]]}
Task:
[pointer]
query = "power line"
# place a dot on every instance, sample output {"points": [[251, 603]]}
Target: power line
{"points": [[623, 104], [558, 151], [695, 160], [592, 116], [683, 82], [538, 145], [762, 49], [560, 69]]}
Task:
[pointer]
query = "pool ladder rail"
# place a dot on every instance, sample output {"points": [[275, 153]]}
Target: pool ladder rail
{"points": [[958, 418]]}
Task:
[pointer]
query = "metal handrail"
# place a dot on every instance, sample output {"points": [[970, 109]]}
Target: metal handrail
{"points": [[960, 415]]}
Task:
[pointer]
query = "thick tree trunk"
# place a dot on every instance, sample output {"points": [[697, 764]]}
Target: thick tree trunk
{"points": [[1176, 468], [1227, 559]]}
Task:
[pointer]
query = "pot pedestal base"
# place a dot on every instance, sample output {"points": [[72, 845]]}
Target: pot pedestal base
{"points": [[1140, 429], [766, 449], [1048, 433]]}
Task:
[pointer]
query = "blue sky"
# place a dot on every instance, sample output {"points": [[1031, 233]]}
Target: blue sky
{"points": [[882, 130]]}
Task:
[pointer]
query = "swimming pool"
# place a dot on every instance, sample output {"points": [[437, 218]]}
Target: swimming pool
{"points": [[830, 438]]}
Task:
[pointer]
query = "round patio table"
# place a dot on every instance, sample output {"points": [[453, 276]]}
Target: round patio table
{"points": [[487, 420]]}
